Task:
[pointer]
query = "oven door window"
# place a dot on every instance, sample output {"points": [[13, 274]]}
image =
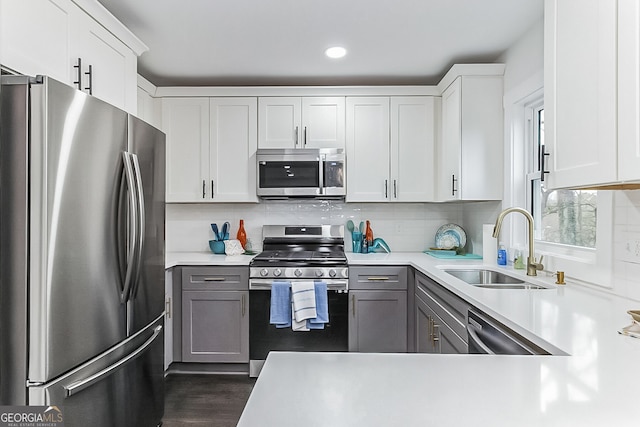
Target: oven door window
{"points": [[300, 174], [333, 174]]}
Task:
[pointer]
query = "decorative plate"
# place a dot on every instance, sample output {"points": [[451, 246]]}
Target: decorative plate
{"points": [[450, 236]]}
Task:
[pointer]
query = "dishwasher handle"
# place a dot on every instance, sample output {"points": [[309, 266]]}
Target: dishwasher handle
{"points": [[474, 339]]}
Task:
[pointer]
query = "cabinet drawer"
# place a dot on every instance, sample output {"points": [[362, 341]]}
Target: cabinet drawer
{"points": [[374, 278], [215, 278], [451, 309]]}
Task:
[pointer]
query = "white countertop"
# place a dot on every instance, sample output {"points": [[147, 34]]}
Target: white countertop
{"points": [[173, 259], [595, 385]]}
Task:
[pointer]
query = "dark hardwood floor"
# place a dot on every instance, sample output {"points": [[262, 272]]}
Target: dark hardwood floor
{"points": [[205, 400]]}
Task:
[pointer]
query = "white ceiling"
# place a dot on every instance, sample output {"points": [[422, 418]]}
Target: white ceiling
{"points": [[282, 42]]}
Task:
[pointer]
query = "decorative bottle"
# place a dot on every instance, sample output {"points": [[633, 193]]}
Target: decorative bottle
{"points": [[368, 235], [242, 235]]}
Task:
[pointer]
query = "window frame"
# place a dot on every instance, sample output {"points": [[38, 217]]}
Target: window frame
{"points": [[588, 266]]}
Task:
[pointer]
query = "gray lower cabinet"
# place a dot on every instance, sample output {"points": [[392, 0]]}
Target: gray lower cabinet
{"points": [[378, 309], [440, 319], [215, 314]]}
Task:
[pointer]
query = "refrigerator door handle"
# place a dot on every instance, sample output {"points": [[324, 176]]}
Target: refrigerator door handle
{"points": [[78, 386], [141, 222], [133, 227]]}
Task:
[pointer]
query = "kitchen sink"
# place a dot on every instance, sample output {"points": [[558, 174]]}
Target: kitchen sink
{"points": [[490, 279], [480, 277], [523, 285]]}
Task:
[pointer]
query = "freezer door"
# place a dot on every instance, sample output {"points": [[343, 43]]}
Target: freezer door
{"points": [[76, 279], [123, 387], [146, 301]]}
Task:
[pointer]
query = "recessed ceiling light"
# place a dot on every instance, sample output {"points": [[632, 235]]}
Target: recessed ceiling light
{"points": [[335, 52]]}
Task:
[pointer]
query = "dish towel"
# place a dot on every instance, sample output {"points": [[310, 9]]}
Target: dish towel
{"points": [[303, 301], [322, 307], [280, 314]]}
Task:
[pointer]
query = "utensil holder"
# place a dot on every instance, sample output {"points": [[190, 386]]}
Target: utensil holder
{"points": [[356, 242]]}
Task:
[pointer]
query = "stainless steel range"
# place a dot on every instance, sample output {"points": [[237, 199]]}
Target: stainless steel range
{"points": [[297, 253]]}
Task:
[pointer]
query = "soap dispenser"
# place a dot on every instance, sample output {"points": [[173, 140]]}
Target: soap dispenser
{"points": [[502, 255]]}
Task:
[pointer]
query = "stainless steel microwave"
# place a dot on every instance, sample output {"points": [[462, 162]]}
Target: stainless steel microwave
{"points": [[301, 173]]}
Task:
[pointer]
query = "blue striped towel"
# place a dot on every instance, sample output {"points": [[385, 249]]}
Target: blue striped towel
{"points": [[304, 300], [322, 307], [280, 304]]}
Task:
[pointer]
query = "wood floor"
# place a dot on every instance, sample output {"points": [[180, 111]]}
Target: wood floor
{"points": [[196, 400]]}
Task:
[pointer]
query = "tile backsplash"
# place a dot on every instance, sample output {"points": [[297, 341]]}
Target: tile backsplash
{"points": [[404, 226], [626, 243]]}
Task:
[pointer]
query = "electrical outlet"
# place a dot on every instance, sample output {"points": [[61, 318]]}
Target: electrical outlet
{"points": [[631, 250]]}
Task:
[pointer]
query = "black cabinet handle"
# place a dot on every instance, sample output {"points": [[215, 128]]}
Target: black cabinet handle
{"points": [[204, 189], [543, 154], [79, 74], [212, 189], [90, 75], [453, 185]]}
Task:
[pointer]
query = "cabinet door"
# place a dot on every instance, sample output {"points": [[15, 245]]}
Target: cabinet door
{"points": [[186, 123], [34, 37], [378, 321], [628, 90], [425, 342], [367, 149], [580, 92], [323, 122], [233, 149], [215, 326], [449, 149], [279, 121], [113, 65], [412, 149]]}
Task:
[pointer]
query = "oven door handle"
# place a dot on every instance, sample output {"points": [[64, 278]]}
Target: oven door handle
{"points": [[265, 285]]}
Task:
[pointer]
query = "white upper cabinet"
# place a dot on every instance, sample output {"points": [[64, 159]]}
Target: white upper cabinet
{"points": [[186, 124], [49, 36], [211, 146], [279, 122], [628, 90], [390, 149], [112, 75], [367, 149], [412, 148], [470, 150], [233, 145], [295, 122], [323, 122], [24, 47], [581, 90]]}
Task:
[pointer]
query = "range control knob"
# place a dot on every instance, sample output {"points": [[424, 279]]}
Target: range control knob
{"points": [[319, 273], [277, 272], [298, 272], [264, 272], [332, 273]]}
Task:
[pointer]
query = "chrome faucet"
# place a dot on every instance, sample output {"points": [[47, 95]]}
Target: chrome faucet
{"points": [[532, 265]]}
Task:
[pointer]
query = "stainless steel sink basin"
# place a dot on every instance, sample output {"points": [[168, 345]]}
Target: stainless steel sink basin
{"points": [[490, 279], [481, 277], [509, 286]]}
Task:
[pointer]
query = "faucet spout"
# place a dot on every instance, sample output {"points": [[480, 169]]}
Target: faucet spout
{"points": [[532, 265]]}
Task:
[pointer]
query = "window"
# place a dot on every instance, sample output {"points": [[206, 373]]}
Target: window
{"points": [[567, 217]]}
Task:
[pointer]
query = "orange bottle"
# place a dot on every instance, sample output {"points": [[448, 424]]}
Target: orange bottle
{"points": [[242, 235], [368, 235]]}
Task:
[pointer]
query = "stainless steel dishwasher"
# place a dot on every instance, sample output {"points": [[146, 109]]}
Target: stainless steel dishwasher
{"points": [[487, 336]]}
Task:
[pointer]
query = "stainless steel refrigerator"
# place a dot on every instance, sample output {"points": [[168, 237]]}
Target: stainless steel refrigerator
{"points": [[81, 256]]}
